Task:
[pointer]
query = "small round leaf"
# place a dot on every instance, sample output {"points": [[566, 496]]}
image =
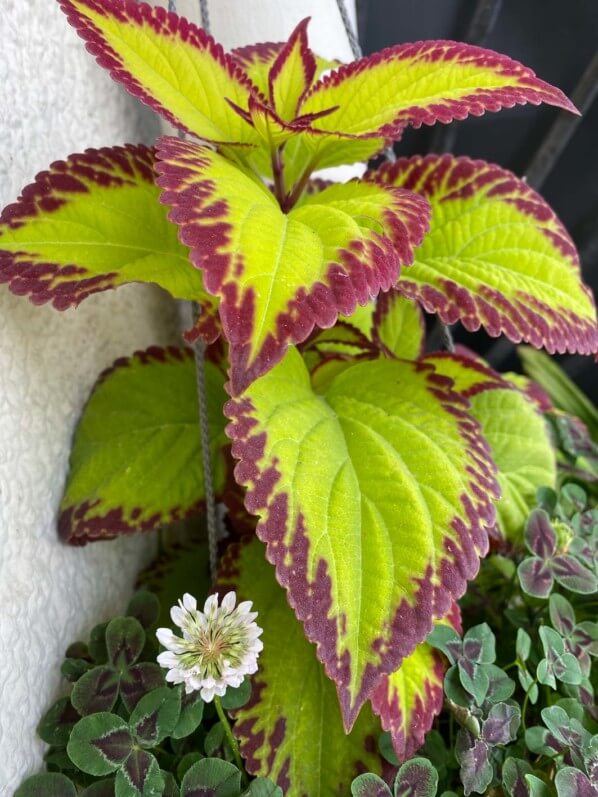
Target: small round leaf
{"points": [[212, 777], [100, 743], [51, 784], [125, 639]]}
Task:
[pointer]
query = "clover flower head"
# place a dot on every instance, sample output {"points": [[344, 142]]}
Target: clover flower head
{"points": [[218, 646]]}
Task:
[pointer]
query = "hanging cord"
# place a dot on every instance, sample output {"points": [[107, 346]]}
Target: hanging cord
{"points": [[199, 351]]}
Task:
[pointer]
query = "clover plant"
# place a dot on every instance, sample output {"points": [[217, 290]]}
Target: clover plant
{"points": [[374, 475]]}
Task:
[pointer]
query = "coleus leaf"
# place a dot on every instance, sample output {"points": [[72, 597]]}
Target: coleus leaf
{"points": [[563, 391], [408, 700], [189, 81], [398, 326], [256, 61], [280, 274], [517, 433], [292, 73], [423, 83], [383, 422], [135, 462], [292, 730], [525, 283], [91, 223]]}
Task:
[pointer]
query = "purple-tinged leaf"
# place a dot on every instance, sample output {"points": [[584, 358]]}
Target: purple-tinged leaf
{"points": [[139, 776], [474, 679], [144, 606], [570, 782], [535, 576], [100, 743], [500, 686], [514, 771], [155, 716], [50, 784], [540, 536], [416, 778], [137, 681], [58, 722], [95, 691], [476, 769], [501, 725], [542, 742], [562, 615], [211, 777], [537, 787], [125, 639], [572, 575], [446, 639], [369, 785], [190, 716], [479, 644]]}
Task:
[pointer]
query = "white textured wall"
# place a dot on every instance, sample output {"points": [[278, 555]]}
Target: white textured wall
{"points": [[53, 101]]}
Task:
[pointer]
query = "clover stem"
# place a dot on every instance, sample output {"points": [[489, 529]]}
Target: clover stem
{"points": [[525, 703], [228, 731]]}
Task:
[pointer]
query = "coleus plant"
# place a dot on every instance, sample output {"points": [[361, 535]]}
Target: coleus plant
{"points": [[374, 470]]}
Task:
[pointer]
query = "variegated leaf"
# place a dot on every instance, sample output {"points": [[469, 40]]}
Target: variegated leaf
{"points": [[291, 730], [256, 60], [374, 538], [516, 431], [91, 223], [496, 255], [280, 274], [398, 326], [424, 83], [292, 73], [136, 457], [408, 700], [169, 64]]}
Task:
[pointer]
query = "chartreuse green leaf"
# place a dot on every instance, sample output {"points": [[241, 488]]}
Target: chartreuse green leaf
{"points": [[496, 255], [405, 485], [517, 434], [51, 784], [415, 84], [168, 63], [408, 700], [280, 274], [292, 730], [563, 391], [398, 326], [90, 223], [136, 457], [423, 83]]}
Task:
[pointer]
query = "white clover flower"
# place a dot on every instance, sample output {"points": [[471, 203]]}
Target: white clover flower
{"points": [[219, 646]]}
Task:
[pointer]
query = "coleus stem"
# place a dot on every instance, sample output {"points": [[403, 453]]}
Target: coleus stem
{"points": [[295, 193]]}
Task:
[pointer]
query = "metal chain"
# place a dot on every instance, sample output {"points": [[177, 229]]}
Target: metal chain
{"points": [[199, 351], [351, 33], [389, 152]]}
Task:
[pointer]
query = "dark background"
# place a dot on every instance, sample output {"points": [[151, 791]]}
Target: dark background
{"points": [[556, 38]]}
